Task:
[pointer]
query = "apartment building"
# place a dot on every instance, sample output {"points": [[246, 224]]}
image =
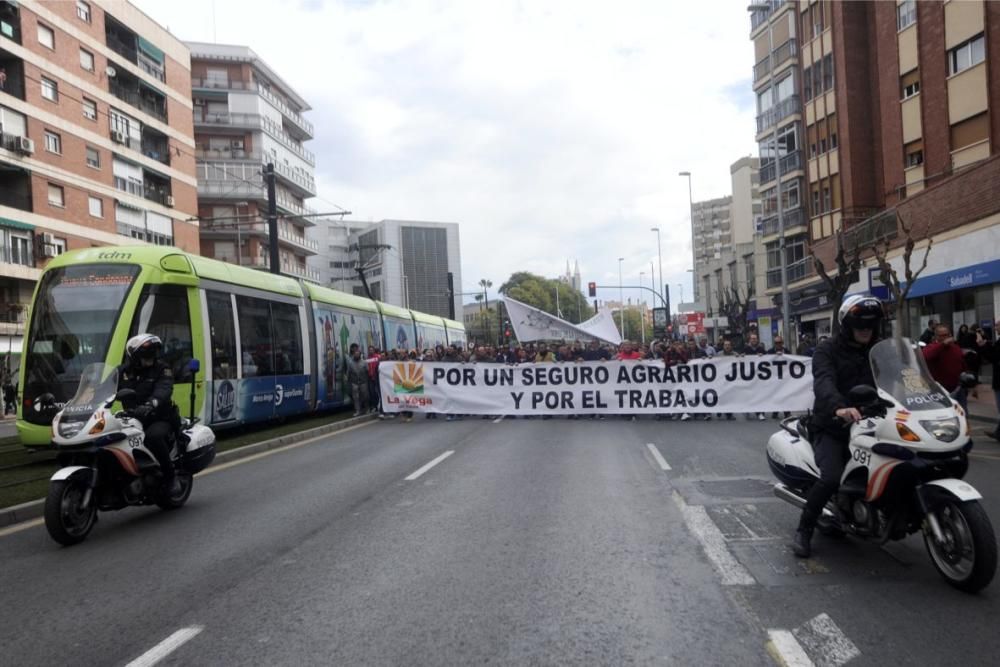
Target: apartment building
{"points": [[731, 252], [899, 116], [406, 262], [97, 142], [245, 116]]}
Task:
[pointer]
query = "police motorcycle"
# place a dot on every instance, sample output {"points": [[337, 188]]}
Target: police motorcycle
{"points": [[105, 464], [908, 455]]}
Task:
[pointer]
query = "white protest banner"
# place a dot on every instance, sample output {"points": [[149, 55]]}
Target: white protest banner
{"points": [[532, 324], [765, 383]]}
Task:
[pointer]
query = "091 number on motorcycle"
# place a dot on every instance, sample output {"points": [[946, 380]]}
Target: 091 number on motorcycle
{"points": [[862, 456]]}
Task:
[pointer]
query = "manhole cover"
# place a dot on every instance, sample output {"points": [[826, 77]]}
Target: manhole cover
{"points": [[736, 488]]}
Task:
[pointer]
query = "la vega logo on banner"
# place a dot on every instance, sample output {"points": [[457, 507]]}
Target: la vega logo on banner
{"points": [[764, 383]]}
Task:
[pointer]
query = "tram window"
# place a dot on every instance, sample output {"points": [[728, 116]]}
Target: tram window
{"points": [[223, 335], [163, 312], [255, 335], [287, 339]]}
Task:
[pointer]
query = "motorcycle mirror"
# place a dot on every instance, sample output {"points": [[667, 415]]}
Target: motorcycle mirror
{"points": [[862, 394], [125, 395], [45, 399]]}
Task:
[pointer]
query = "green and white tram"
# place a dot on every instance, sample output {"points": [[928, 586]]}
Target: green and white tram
{"points": [[270, 346]]}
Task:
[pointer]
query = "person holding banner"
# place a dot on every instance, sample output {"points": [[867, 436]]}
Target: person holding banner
{"points": [[838, 365]]}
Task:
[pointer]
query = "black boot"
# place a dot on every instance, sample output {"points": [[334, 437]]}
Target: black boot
{"points": [[801, 543]]}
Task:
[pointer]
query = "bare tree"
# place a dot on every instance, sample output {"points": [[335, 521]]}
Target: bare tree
{"points": [[848, 262], [734, 304], [890, 278]]}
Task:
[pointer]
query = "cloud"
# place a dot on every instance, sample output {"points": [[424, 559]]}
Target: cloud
{"points": [[550, 131]]}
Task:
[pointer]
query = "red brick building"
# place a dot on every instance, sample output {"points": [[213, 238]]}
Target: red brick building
{"points": [[97, 138], [900, 112]]}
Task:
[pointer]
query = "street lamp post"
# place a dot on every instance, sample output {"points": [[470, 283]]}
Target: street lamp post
{"points": [[785, 313], [687, 175], [621, 299], [659, 251], [642, 321]]}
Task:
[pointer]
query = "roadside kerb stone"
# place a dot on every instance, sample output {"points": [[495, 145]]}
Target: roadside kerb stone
{"points": [[36, 508]]}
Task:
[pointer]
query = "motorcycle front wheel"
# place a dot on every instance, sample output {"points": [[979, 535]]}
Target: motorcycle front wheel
{"points": [[175, 501], [67, 521], [967, 559]]}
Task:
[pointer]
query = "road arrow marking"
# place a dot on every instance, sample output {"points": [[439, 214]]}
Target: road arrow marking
{"points": [[430, 465]]}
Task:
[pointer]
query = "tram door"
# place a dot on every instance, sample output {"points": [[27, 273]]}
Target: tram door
{"points": [[222, 336]]}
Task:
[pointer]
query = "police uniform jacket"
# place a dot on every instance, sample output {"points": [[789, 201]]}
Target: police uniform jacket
{"points": [[155, 382], [838, 364]]}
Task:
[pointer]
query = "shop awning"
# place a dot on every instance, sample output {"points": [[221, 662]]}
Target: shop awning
{"points": [[16, 224]]}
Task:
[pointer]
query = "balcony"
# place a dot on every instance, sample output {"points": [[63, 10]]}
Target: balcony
{"points": [[10, 21], [759, 16], [781, 55], [792, 218], [151, 67], [287, 268], [305, 127], [254, 121], [222, 188], [227, 154], [128, 89], [788, 163], [156, 188], [154, 145], [796, 271], [303, 181], [221, 84], [873, 230], [14, 69], [779, 111]]}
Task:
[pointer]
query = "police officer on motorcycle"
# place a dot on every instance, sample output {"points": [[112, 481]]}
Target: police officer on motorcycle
{"points": [[838, 364], [153, 382]]}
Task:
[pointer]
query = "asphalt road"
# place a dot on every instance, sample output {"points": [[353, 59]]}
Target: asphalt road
{"points": [[534, 541]]}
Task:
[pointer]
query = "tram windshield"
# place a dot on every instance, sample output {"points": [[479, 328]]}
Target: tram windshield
{"points": [[72, 323]]}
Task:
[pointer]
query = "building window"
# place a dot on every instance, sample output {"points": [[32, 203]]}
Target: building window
{"points": [[815, 201], [910, 84], [807, 88], [50, 90], [93, 157], [53, 142], [83, 11], [58, 246], [56, 196], [89, 109], [827, 199], [906, 14], [965, 55], [46, 37], [970, 131], [20, 250], [828, 71], [87, 60], [96, 206], [751, 277]]}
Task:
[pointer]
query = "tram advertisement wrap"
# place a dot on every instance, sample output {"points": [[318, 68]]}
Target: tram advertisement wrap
{"points": [[726, 384]]}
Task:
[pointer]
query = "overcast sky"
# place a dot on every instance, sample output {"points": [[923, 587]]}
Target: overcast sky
{"points": [[548, 130]]}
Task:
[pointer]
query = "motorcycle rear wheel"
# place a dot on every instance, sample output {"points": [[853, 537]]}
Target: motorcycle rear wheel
{"points": [[968, 558], [177, 500], [65, 520]]}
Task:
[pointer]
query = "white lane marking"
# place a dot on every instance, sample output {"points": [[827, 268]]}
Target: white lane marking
{"points": [[166, 647], [825, 642], [498, 419], [786, 650], [277, 450], [662, 462], [18, 527], [430, 465], [714, 544]]}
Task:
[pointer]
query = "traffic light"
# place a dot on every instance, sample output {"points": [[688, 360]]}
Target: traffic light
{"points": [[592, 288]]}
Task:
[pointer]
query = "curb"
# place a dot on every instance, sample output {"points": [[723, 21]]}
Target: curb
{"points": [[36, 508]]}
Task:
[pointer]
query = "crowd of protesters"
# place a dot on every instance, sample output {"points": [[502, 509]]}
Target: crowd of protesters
{"points": [[362, 372]]}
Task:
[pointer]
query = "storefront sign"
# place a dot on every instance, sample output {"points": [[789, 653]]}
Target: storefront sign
{"points": [[986, 273]]}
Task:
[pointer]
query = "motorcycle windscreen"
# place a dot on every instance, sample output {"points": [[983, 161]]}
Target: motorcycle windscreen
{"points": [[900, 370]]}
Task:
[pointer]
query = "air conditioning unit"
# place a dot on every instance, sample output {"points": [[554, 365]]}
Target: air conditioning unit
{"points": [[47, 247], [118, 137], [170, 200], [25, 145]]}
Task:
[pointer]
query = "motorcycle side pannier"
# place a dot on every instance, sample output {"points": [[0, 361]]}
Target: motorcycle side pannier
{"points": [[200, 451]]}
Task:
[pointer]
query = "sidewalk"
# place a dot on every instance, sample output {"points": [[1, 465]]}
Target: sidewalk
{"points": [[984, 408]]}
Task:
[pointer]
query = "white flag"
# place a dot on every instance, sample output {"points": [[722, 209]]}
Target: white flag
{"points": [[533, 324]]}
